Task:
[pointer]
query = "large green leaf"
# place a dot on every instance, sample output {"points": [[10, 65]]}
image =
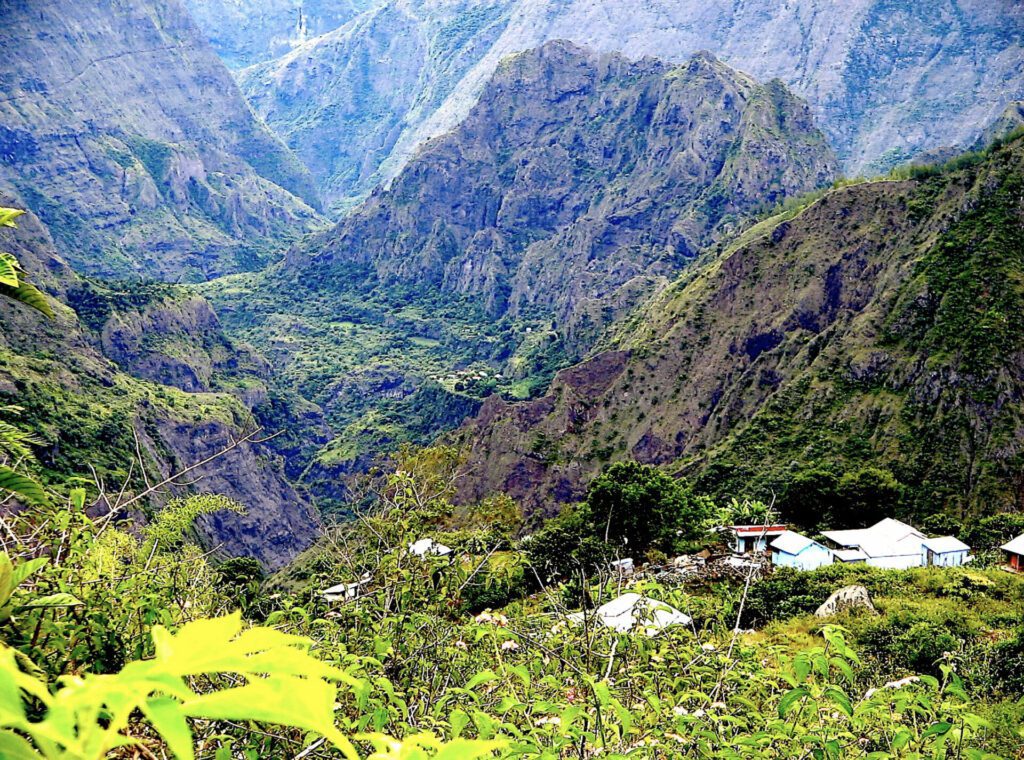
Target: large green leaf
{"points": [[29, 295], [8, 215], [23, 486]]}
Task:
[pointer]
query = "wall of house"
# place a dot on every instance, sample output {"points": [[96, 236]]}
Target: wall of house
{"points": [[897, 562], [947, 559], [812, 557]]}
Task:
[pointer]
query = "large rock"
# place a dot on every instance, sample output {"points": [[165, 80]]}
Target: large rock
{"points": [[847, 598]]}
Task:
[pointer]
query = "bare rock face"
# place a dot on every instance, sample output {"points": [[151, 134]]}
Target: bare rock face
{"points": [[245, 32], [576, 179], [126, 134], [886, 79], [847, 598]]}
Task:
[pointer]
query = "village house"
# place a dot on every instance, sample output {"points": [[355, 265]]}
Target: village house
{"points": [[946, 551], [794, 550], [1015, 554], [893, 544], [754, 539]]}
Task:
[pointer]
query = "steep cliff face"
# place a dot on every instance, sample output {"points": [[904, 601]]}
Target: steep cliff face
{"points": [[85, 408], [886, 79], [574, 176], [880, 326], [246, 32], [343, 101], [126, 134], [578, 184]]}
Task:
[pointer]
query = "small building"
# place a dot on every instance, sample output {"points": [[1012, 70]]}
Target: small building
{"points": [[427, 546], [344, 591], [946, 551], [794, 550], [754, 539], [633, 611], [623, 567], [1015, 554], [850, 556]]}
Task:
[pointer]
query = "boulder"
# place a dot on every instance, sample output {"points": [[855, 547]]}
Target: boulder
{"points": [[846, 598]]}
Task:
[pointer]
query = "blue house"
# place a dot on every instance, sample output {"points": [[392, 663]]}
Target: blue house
{"points": [[945, 552], [793, 550]]}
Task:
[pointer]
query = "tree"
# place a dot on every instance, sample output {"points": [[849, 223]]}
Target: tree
{"points": [[643, 508]]}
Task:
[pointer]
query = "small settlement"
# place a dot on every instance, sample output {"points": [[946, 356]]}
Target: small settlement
{"points": [[888, 543]]}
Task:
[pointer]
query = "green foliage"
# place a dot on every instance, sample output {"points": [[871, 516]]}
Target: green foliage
{"points": [[641, 507], [12, 277], [86, 717]]}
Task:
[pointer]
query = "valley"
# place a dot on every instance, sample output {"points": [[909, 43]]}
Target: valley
{"points": [[410, 379]]}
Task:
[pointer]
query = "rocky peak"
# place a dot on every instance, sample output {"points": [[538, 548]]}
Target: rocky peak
{"points": [[575, 176]]}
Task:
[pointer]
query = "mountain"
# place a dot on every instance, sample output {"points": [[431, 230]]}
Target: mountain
{"points": [[143, 371], [577, 184], [878, 327], [886, 79], [125, 133], [245, 32]]}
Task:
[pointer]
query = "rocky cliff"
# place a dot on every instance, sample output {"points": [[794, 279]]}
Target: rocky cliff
{"points": [[178, 387], [880, 326], [886, 79], [128, 137], [575, 176]]}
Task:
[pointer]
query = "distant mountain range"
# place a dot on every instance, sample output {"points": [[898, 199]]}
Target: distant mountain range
{"points": [[886, 79], [880, 326]]}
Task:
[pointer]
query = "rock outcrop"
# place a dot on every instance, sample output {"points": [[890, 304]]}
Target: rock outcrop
{"points": [[847, 598], [886, 79], [245, 32], [128, 137]]}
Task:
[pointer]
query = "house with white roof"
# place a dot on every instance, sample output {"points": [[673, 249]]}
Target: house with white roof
{"points": [[754, 539], [946, 551], [794, 550], [1015, 554], [634, 612], [890, 543]]}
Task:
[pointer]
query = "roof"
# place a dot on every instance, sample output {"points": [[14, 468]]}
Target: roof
{"points": [[791, 542], [886, 538], [946, 544], [626, 612], [748, 531], [1016, 546], [850, 555], [426, 546]]}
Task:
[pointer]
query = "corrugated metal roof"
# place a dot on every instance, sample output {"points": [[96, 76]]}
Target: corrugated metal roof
{"points": [[946, 544], [1016, 545], [748, 531], [850, 555], [886, 538], [792, 542]]}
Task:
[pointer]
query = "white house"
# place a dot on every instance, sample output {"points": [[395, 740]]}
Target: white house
{"points": [[346, 590], [748, 539], [427, 546], [794, 550], [893, 544], [888, 543], [945, 552]]}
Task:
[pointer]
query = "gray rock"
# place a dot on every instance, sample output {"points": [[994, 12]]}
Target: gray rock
{"points": [[847, 598]]}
